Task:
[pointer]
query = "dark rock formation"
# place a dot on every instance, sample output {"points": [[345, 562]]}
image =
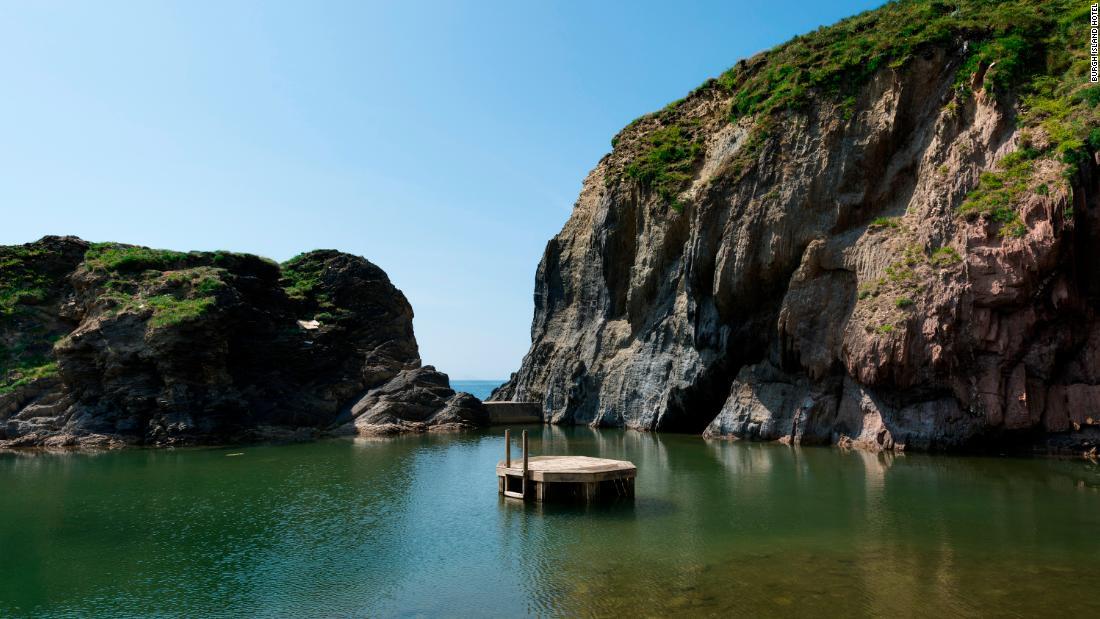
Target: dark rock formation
{"points": [[111, 344], [905, 259], [415, 400]]}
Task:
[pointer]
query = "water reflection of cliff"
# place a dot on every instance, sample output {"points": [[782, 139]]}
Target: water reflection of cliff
{"points": [[414, 525], [744, 528]]}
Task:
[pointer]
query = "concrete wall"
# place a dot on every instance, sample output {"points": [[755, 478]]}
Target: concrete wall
{"points": [[514, 412]]}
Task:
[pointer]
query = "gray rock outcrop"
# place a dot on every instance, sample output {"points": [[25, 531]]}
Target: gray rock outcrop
{"points": [[912, 266]]}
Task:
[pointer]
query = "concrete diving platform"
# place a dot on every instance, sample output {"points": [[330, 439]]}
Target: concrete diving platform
{"points": [[564, 478]]}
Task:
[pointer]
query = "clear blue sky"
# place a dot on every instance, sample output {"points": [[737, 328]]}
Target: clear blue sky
{"points": [[444, 141]]}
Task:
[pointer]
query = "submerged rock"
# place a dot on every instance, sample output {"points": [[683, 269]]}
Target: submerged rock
{"points": [[108, 344], [907, 259]]}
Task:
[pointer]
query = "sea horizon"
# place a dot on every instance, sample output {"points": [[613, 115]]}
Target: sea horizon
{"points": [[480, 388]]}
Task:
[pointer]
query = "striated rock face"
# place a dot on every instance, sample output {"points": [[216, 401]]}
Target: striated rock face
{"points": [[111, 344], [416, 400], [911, 266]]}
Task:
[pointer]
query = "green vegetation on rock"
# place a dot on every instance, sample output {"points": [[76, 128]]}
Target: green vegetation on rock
{"points": [[128, 258], [945, 257], [302, 278], [17, 376], [666, 163], [1031, 49], [1060, 121], [838, 60], [163, 282], [28, 287], [1023, 52], [999, 192], [20, 283]]}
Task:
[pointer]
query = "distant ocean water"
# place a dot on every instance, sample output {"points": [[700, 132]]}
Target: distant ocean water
{"points": [[479, 388]]}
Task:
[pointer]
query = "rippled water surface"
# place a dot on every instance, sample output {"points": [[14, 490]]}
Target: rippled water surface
{"points": [[413, 526]]}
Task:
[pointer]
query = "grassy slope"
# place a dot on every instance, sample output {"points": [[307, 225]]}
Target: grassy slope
{"points": [[168, 288], [1034, 50]]}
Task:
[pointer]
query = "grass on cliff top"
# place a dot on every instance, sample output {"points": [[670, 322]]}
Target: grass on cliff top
{"points": [[174, 297], [166, 282], [1018, 46], [20, 282], [302, 280], [131, 259], [838, 60], [179, 287], [1059, 122]]}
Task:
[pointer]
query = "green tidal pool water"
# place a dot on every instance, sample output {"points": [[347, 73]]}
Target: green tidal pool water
{"points": [[413, 526]]}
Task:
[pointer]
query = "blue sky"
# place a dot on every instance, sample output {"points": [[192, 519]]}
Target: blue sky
{"points": [[444, 141]]}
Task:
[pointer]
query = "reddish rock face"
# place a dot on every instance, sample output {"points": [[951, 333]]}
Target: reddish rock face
{"points": [[825, 287], [161, 348]]}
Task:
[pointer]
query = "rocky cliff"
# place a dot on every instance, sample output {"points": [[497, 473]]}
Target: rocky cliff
{"points": [[107, 344], [883, 233]]}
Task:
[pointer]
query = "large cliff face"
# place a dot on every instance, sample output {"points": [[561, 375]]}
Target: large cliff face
{"points": [[112, 344], [885, 233]]}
